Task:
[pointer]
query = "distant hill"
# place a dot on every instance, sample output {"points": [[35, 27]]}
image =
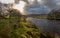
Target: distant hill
{"points": [[37, 14], [54, 14]]}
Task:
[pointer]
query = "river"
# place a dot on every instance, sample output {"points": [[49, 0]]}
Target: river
{"points": [[47, 25]]}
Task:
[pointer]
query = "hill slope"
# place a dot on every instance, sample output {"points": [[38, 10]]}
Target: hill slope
{"points": [[17, 27]]}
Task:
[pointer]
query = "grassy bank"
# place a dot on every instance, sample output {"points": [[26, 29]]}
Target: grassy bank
{"points": [[15, 26]]}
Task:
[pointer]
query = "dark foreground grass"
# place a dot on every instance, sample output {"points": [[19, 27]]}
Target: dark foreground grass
{"points": [[15, 27]]}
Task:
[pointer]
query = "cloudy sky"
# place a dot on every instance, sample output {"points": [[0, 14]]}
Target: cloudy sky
{"points": [[49, 3], [7, 1], [45, 5]]}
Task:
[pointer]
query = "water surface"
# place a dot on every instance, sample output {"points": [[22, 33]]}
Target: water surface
{"points": [[47, 25]]}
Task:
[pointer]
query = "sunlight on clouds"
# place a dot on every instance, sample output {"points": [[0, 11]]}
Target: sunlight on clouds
{"points": [[7, 1], [31, 1], [57, 2], [20, 7], [39, 1]]}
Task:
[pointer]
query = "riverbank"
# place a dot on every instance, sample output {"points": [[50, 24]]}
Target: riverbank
{"points": [[16, 26], [46, 25]]}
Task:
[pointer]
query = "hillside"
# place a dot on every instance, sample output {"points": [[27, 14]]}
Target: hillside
{"points": [[54, 14], [15, 26]]}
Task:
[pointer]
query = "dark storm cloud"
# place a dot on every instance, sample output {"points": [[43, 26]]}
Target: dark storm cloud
{"points": [[49, 3], [17, 1]]}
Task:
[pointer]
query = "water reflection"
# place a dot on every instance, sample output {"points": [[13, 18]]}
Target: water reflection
{"points": [[47, 25]]}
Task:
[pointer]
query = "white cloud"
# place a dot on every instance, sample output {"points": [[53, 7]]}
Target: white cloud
{"points": [[20, 6], [7, 1], [57, 2]]}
